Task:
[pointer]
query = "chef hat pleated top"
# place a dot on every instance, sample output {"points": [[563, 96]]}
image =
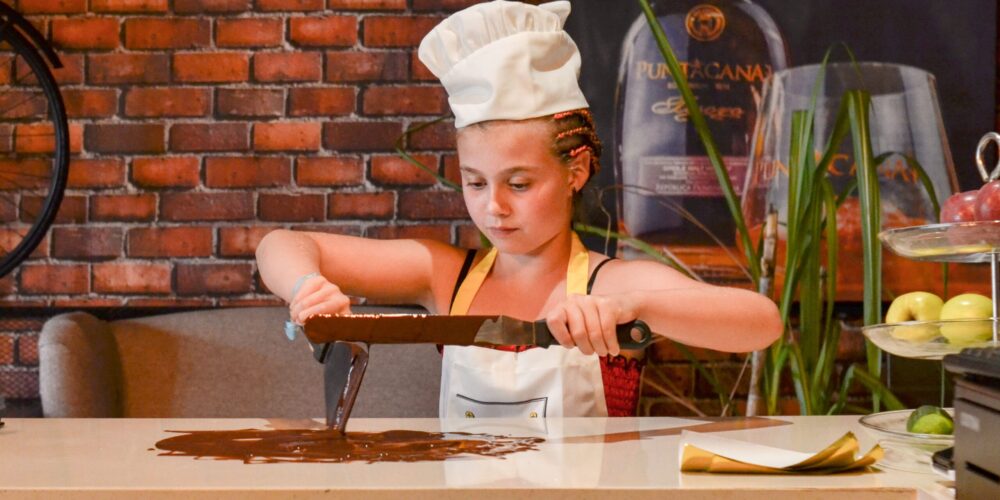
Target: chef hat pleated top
{"points": [[505, 60]]}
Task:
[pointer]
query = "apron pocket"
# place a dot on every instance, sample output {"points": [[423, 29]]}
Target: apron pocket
{"points": [[472, 408]]}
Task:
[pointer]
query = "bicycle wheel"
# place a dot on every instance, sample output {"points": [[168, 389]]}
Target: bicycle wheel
{"points": [[34, 140]]}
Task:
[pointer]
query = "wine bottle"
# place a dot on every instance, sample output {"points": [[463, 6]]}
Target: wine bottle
{"points": [[727, 48]]}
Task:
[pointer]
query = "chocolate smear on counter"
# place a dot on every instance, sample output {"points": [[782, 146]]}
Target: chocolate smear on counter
{"points": [[331, 446]]}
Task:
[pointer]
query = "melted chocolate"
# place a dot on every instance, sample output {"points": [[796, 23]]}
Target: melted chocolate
{"points": [[328, 445]]}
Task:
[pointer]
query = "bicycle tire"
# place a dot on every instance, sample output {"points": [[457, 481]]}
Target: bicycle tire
{"points": [[27, 48]]}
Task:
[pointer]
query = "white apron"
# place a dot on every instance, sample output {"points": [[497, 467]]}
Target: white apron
{"points": [[479, 382]]}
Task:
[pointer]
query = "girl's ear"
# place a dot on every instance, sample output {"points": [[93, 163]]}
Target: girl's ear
{"points": [[579, 171]]}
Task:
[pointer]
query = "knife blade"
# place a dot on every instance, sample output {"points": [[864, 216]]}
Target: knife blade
{"points": [[450, 330]]}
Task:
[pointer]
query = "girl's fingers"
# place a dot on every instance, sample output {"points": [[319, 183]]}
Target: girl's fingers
{"points": [[592, 320], [556, 321], [609, 324], [578, 328], [337, 305]]}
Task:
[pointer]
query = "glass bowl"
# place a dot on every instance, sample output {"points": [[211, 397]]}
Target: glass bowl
{"points": [[932, 339], [948, 242], [904, 450]]}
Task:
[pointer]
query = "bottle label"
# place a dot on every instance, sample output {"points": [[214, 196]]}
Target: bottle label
{"points": [[688, 175]]}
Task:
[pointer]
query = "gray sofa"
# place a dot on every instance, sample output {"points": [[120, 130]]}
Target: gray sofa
{"points": [[216, 363]]}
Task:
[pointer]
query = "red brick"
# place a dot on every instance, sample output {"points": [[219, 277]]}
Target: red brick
{"points": [[124, 138], [27, 350], [212, 67], [329, 171], [123, 207], [74, 242], [85, 33], [6, 69], [169, 101], [54, 279], [171, 302], [132, 278], [249, 102], [315, 101], [437, 136], [82, 303], [96, 174], [422, 205], [171, 33], [210, 6], [327, 31], [469, 236], [72, 71], [419, 71], [128, 6], [350, 66], [287, 136], [287, 66], [19, 384], [362, 205], [422, 231], [40, 138], [289, 5], [250, 32], [241, 241], [367, 4], [222, 136], [90, 103], [199, 279], [183, 207], [21, 104], [234, 172], [291, 208], [33, 173], [7, 349], [28, 7], [11, 237], [170, 242], [393, 170], [442, 5], [159, 172], [397, 31], [110, 69], [361, 136], [72, 209], [404, 101], [450, 167]]}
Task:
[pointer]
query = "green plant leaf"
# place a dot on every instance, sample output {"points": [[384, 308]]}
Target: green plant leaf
{"points": [[876, 386]]}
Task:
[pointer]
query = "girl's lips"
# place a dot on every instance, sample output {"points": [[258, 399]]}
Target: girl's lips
{"points": [[502, 231]]}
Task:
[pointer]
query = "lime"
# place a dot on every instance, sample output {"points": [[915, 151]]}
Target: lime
{"points": [[929, 419]]}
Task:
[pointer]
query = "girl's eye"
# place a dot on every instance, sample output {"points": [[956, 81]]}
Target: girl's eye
{"points": [[475, 184], [518, 186]]}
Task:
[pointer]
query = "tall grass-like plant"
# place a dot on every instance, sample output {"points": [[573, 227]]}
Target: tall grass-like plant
{"points": [[809, 346]]}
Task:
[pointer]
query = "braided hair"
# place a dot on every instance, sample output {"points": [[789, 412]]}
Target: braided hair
{"points": [[576, 133]]}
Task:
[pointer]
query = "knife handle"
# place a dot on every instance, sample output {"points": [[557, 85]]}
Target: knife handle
{"points": [[627, 341]]}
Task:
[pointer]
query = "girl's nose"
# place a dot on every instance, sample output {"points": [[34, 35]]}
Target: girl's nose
{"points": [[497, 204]]}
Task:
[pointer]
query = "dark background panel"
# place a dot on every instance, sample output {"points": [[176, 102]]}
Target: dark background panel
{"points": [[954, 40]]}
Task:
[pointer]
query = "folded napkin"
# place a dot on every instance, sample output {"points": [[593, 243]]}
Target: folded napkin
{"points": [[710, 453]]}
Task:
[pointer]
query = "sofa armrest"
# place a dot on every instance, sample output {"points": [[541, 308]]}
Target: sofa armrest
{"points": [[79, 367]]}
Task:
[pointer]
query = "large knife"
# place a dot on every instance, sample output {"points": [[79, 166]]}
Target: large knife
{"points": [[450, 330]]}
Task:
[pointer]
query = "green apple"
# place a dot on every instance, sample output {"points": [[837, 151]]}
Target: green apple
{"points": [[967, 306], [920, 306]]}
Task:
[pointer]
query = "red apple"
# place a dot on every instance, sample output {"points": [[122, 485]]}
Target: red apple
{"points": [[988, 202], [961, 207]]}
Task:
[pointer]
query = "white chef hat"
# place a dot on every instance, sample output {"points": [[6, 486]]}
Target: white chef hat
{"points": [[505, 60]]}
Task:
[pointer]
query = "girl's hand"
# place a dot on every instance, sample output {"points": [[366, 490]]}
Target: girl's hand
{"points": [[588, 322], [318, 296]]}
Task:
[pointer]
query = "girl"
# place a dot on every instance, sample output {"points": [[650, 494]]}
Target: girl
{"points": [[526, 147]]}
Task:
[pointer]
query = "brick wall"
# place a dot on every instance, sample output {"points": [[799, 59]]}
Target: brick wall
{"points": [[199, 125]]}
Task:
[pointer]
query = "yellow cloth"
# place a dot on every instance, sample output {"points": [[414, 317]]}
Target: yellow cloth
{"points": [[704, 453]]}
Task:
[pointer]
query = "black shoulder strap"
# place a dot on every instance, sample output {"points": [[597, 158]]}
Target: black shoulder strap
{"points": [[593, 275], [469, 257]]}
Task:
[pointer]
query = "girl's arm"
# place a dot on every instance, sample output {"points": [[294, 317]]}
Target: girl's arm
{"points": [[690, 312], [386, 271]]}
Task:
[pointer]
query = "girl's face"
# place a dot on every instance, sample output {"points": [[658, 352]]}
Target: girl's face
{"points": [[517, 192]]}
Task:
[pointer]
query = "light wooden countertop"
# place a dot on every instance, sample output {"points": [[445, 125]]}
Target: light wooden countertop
{"points": [[580, 459]]}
